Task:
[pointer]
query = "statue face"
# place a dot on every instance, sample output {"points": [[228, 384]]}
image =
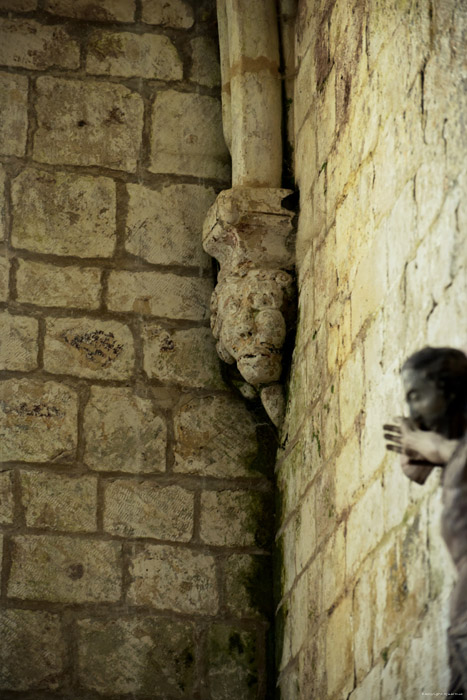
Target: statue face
{"points": [[427, 403]]}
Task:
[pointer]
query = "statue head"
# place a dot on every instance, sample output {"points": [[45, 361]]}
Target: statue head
{"points": [[435, 384]]}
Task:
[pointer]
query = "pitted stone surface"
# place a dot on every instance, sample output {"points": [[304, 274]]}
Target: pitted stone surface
{"points": [[88, 348], [215, 436], [58, 502], [28, 44], [13, 114], [166, 352], [49, 285], [128, 55], [6, 498], [164, 226], [186, 136], [232, 663], [205, 68], [144, 509], [64, 214], [159, 294], [102, 11], [123, 432], [32, 650], [179, 579], [142, 654], [64, 569], [18, 342], [172, 13], [38, 420], [4, 275], [2, 203], [232, 518], [88, 123]]}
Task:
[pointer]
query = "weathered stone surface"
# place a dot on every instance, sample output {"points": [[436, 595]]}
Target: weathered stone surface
{"points": [[173, 13], [48, 285], [13, 114], [232, 663], [4, 275], [6, 497], [144, 509], [64, 214], [38, 420], [205, 68], [28, 44], [18, 342], [88, 123], [179, 579], [88, 348], [159, 294], [65, 569], [127, 55], [186, 136], [18, 5], [32, 651], [247, 581], [166, 353], [2, 203], [233, 519], [164, 227], [215, 436], [339, 657], [123, 432], [58, 502], [142, 654], [102, 11]]}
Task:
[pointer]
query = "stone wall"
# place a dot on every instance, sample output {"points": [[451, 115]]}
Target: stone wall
{"points": [[380, 160], [132, 492]]}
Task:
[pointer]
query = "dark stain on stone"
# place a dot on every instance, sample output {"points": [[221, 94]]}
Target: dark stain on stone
{"points": [[235, 644], [82, 122], [167, 345], [98, 347], [75, 572], [37, 410], [116, 116], [323, 60]]}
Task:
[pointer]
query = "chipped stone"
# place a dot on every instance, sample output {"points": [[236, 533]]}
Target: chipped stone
{"points": [[166, 353], [232, 663], [123, 432], [88, 348], [28, 44], [49, 285], [186, 136], [6, 498], [232, 518], [64, 214], [88, 123], [181, 580], [97, 11], [172, 13], [205, 68], [65, 570], [38, 420], [13, 114], [128, 55], [165, 227], [142, 654], [59, 502], [18, 342]]}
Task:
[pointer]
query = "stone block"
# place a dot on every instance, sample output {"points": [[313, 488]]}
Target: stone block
{"points": [[186, 136], [145, 509], [215, 436], [88, 123], [232, 659], [28, 44], [164, 227], [2, 203], [4, 277], [6, 498], [305, 530], [49, 285], [186, 357], [247, 585], [18, 5], [65, 570], [370, 687], [32, 650], [88, 348], [366, 516], [143, 655], [59, 502], [205, 68], [364, 602], [18, 342], [13, 114], [103, 11], [339, 650], [334, 569], [160, 294], [63, 214], [133, 55], [173, 13], [178, 579], [348, 477], [351, 391], [38, 421], [234, 519], [123, 432]]}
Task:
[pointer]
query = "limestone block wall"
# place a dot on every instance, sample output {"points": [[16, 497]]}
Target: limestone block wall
{"points": [[380, 159], [135, 503]]}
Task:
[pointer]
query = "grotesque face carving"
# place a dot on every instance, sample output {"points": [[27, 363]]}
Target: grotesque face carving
{"points": [[428, 405]]}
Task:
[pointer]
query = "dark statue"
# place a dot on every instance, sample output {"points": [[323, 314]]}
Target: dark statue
{"points": [[435, 435]]}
